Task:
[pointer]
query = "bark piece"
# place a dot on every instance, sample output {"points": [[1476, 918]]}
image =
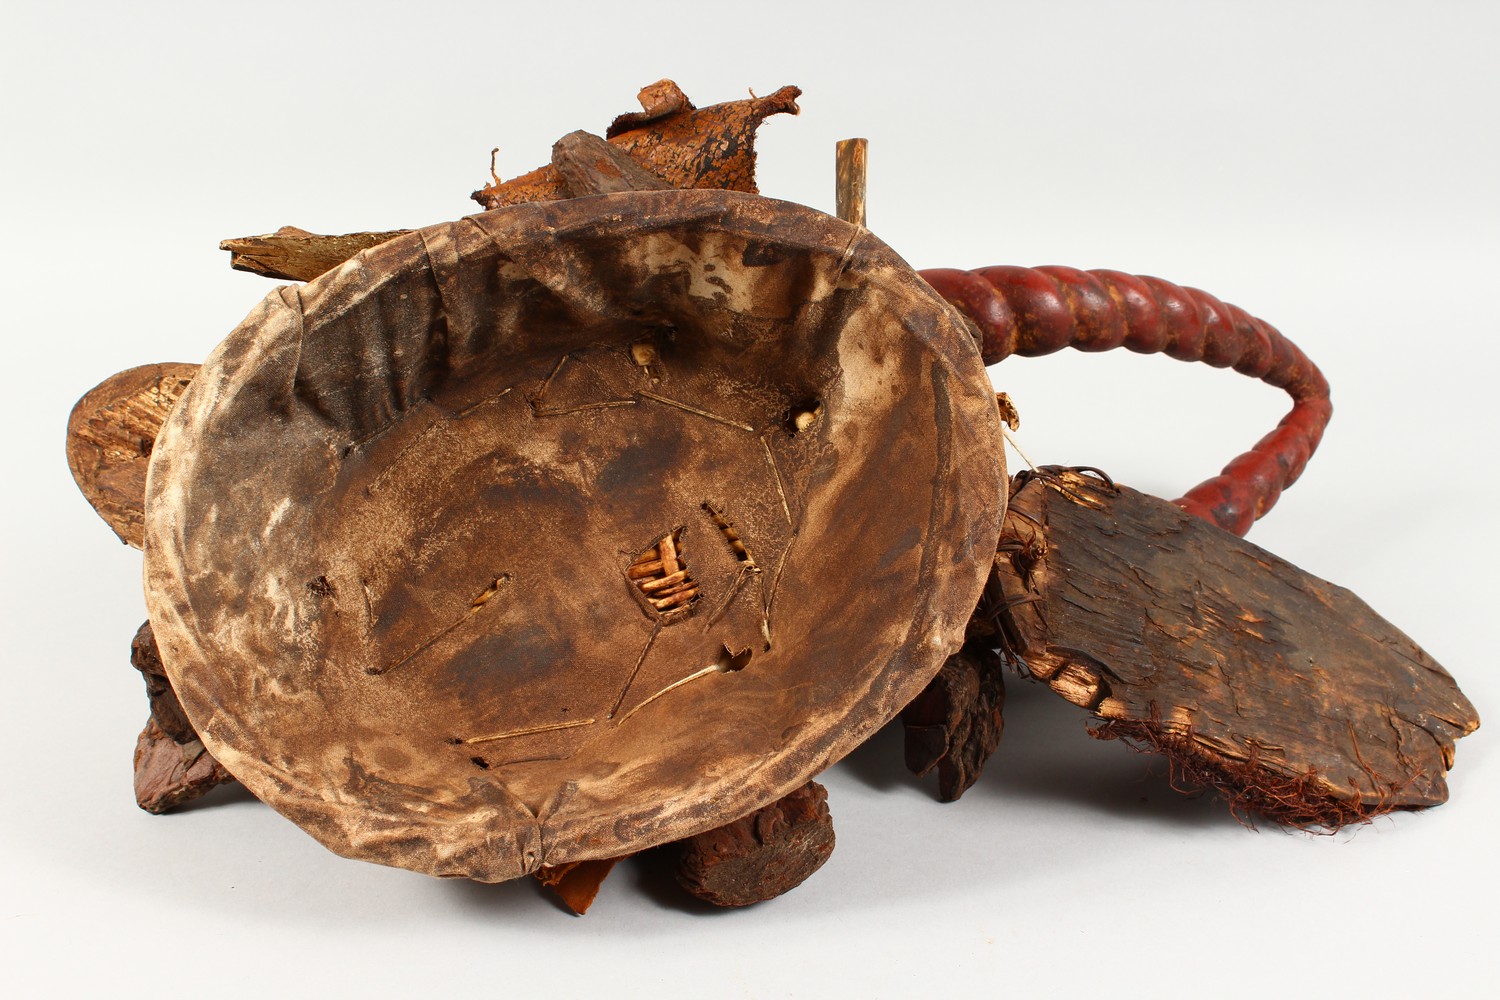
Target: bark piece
{"points": [[585, 165], [347, 518], [658, 100], [688, 147], [294, 254], [589, 165], [669, 144], [171, 764], [111, 432], [166, 710], [760, 856], [169, 773], [577, 882], [1286, 694], [956, 722]]}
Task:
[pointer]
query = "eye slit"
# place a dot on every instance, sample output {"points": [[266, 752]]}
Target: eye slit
{"points": [[731, 536]]}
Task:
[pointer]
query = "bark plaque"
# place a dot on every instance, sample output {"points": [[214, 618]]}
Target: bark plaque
{"points": [[1283, 692]]}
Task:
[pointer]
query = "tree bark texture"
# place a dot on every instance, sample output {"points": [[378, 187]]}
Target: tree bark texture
{"points": [[689, 147], [1283, 692], [760, 856], [111, 432], [956, 722]]}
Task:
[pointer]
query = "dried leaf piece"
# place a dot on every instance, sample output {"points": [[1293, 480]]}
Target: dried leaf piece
{"points": [[169, 773], [294, 254], [688, 147], [111, 432], [956, 722], [1284, 693], [760, 856], [577, 882]]}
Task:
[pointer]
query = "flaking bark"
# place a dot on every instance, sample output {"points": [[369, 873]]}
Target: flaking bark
{"points": [[689, 147], [1286, 694]]}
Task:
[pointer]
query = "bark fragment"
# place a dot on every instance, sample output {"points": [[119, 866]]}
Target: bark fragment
{"points": [[689, 147], [111, 432], [762, 855], [669, 144], [1284, 693], [658, 100], [577, 882], [956, 722], [171, 764], [589, 165], [293, 254], [165, 708], [169, 773]]}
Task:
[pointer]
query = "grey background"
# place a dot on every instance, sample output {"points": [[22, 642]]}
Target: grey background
{"points": [[1331, 167]]}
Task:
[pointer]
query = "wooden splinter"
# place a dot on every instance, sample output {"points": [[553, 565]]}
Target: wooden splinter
{"points": [[297, 255], [850, 179]]}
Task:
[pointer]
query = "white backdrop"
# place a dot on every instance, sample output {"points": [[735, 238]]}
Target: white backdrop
{"points": [[1331, 167]]}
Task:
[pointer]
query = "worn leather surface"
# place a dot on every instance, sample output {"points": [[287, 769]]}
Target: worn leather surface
{"points": [[388, 526]]}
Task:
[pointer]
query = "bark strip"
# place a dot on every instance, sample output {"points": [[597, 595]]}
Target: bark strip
{"points": [[293, 254]]}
